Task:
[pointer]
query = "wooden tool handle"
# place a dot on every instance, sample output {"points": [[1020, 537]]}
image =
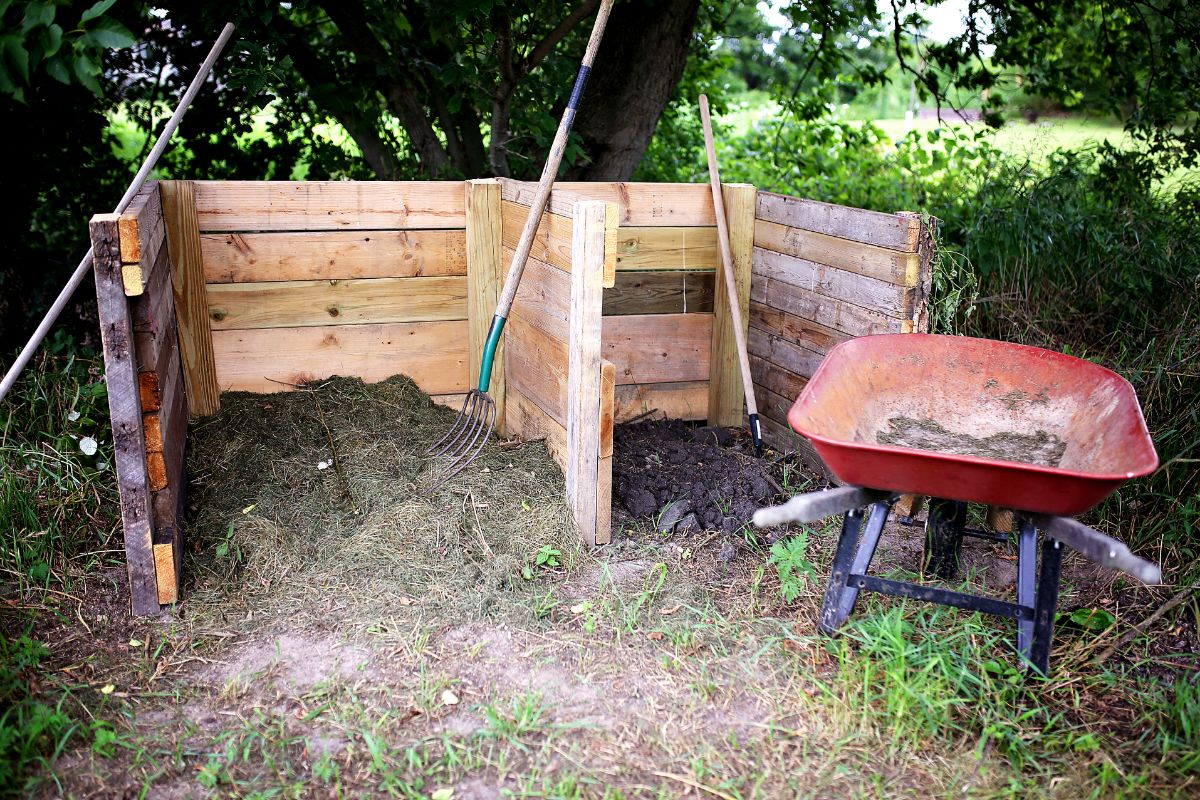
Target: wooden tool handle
{"points": [[546, 183]]}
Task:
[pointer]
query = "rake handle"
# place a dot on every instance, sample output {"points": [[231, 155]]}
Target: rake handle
{"points": [[735, 308], [540, 199]]}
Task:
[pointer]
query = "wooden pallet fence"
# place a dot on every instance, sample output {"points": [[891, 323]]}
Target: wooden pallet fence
{"points": [[304, 280], [822, 274]]}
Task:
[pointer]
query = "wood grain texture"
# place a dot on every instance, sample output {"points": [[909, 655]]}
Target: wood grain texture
{"points": [[863, 259], [129, 455], [780, 380], [651, 204], [434, 354], [166, 433], [686, 400], [926, 251], [332, 255], [604, 470], [869, 227], [659, 348], [562, 201], [798, 330], [660, 293], [827, 312], [551, 242], [726, 388], [528, 421], [584, 368], [543, 298], [155, 306], [608, 406], [152, 347], [164, 568], [779, 436], [537, 364], [871, 293], [329, 205], [142, 236], [190, 297], [485, 274], [790, 356], [648, 248], [294, 304]]}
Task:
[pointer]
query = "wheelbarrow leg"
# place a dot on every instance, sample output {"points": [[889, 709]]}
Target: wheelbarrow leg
{"points": [[843, 558], [1046, 604], [862, 558], [1026, 585]]}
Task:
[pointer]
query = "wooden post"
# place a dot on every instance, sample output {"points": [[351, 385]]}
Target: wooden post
{"points": [[726, 398], [485, 274], [584, 368], [191, 300], [129, 444], [920, 273]]}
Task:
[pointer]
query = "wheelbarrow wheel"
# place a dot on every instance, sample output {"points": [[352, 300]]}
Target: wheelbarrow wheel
{"points": [[944, 524]]}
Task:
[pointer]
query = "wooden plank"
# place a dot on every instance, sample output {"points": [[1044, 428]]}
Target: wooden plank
{"points": [[454, 401], [869, 227], [779, 436], [584, 368], [839, 284], [688, 401], [795, 329], [562, 201], [660, 293], [833, 314], [191, 303], [129, 454], [142, 236], [726, 388], [296, 304], [329, 205], [780, 380], [659, 348], [164, 567], [651, 204], [647, 248], [611, 226], [604, 500], [537, 364], [543, 297], [608, 403], [332, 255], [863, 259], [790, 356], [152, 309], [434, 354], [485, 275], [551, 243], [528, 421], [926, 250], [166, 432]]}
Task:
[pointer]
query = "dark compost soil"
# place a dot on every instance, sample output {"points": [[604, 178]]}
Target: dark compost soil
{"points": [[686, 479]]}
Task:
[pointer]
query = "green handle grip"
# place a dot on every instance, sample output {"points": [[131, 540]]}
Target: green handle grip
{"points": [[489, 353]]}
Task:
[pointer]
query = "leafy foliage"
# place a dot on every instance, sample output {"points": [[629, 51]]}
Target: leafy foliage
{"points": [[790, 558]]}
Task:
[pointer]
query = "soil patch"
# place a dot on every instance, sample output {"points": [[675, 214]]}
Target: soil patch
{"points": [[1040, 448], [316, 500], [687, 479]]}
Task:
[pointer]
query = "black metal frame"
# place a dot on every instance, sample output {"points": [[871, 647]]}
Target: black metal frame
{"points": [[1037, 589]]}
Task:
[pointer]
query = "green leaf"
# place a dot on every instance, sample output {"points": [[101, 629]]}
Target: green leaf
{"points": [[111, 34], [96, 10], [18, 56], [222, 549], [85, 71], [37, 14], [51, 40]]}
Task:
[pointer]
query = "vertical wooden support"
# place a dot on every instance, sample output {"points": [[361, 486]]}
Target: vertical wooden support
{"points": [[191, 301], [120, 371], [726, 396], [485, 274], [920, 273], [608, 409], [584, 368]]}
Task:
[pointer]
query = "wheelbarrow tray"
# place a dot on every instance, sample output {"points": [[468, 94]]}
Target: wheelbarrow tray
{"points": [[974, 389]]}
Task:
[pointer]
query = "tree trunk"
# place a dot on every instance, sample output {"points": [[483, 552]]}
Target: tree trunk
{"points": [[637, 69]]}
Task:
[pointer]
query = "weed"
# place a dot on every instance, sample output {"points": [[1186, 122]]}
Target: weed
{"points": [[790, 558]]}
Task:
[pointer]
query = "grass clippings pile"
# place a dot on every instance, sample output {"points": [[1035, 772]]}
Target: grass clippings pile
{"points": [[310, 505]]}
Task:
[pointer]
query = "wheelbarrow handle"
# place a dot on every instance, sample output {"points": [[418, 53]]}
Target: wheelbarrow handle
{"points": [[813, 506], [1096, 546]]}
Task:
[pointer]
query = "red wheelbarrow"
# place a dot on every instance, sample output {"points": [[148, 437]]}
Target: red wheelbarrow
{"points": [[964, 420]]}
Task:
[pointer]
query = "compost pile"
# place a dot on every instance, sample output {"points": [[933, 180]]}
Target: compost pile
{"points": [[684, 479], [309, 504], [1040, 448]]}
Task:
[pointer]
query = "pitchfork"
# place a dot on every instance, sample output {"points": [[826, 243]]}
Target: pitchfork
{"points": [[470, 431]]}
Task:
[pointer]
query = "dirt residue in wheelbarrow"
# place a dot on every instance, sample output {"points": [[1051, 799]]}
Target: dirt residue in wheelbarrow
{"points": [[1040, 448], [307, 504]]}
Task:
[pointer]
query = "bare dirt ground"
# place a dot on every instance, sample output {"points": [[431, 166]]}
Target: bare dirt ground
{"points": [[662, 666]]}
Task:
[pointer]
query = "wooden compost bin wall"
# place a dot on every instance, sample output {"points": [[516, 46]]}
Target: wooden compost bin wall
{"points": [[823, 274], [137, 291], [310, 279]]}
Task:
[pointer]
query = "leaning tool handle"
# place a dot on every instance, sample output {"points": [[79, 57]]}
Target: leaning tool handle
{"points": [[810, 507], [540, 200], [735, 307], [135, 186]]}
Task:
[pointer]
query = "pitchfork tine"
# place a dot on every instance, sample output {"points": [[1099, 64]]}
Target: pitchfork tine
{"points": [[471, 449], [443, 444]]}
